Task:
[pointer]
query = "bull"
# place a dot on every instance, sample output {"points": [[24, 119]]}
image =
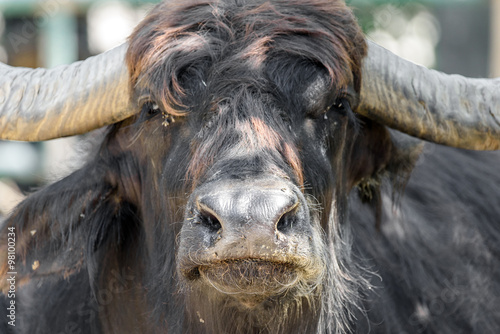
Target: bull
{"points": [[250, 180]]}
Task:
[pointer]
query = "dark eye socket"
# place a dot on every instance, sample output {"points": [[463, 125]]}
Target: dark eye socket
{"points": [[150, 108], [341, 105]]}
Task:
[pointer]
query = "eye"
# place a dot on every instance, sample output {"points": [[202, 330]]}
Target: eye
{"points": [[150, 109], [341, 106]]}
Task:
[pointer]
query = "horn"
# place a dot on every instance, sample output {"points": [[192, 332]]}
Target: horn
{"points": [[446, 109], [42, 104]]}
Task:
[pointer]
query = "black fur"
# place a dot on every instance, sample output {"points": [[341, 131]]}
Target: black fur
{"points": [[434, 259]]}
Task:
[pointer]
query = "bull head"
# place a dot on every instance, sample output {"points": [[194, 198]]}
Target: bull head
{"points": [[266, 141]]}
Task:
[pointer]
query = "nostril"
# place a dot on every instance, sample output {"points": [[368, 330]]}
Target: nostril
{"points": [[287, 220], [209, 220]]}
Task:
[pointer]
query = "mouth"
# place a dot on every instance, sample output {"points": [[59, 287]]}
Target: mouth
{"points": [[250, 281]]}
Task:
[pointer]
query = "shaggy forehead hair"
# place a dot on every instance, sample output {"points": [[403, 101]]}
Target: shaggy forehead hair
{"points": [[227, 38], [192, 56]]}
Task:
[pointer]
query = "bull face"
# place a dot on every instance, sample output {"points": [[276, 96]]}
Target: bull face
{"points": [[251, 234], [245, 146], [250, 227], [250, 156]]}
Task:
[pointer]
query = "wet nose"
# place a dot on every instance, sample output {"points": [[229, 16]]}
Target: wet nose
{"points": [[262, 206]]}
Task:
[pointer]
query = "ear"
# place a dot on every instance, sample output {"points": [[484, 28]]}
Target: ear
{"points": [[57, 230], [371, 153], [379, 152]]}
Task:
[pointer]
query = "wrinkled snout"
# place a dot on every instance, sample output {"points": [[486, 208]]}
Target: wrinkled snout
{"points": [[251, 239]]}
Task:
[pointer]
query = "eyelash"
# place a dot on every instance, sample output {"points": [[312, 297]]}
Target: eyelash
{"points": [[341, 104], [150, 108]]}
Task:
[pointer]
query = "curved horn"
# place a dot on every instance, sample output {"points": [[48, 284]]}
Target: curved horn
{"points": [[446, 109], [41, 104]]}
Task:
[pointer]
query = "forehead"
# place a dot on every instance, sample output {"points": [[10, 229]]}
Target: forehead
{"points": [[214, 49]]}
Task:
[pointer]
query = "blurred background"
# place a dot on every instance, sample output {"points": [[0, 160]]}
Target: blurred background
{"points": [[454, 36]]}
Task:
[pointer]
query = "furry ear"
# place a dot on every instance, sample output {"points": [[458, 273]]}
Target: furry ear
{"points": [[58, 229], [47, 227], [377, 153], [371, 153]]}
